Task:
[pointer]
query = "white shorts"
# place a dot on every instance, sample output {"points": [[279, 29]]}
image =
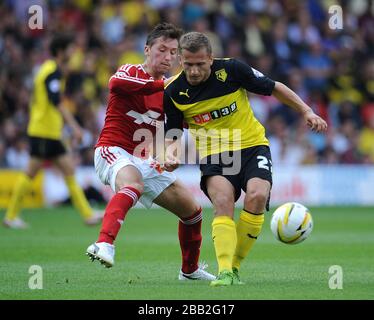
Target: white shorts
{"points": [[109, 160]]}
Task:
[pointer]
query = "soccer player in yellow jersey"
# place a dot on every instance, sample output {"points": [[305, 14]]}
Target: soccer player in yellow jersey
{"points": [[45, 132], [210, 95]]}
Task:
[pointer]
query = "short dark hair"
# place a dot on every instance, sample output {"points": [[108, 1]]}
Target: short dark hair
{"points": [[164, 30], [59, 42], [194, 41]]}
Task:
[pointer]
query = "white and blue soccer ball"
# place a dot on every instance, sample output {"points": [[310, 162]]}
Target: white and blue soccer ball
{"points": [[291, 223]]}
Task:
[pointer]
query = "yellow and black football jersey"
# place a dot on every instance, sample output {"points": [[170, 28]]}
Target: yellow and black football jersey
{"points": [[46, 120], [218, 111]]}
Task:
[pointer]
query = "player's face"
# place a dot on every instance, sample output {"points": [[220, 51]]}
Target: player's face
{"points": [[196, 65], [64, 57], [161, 55]]}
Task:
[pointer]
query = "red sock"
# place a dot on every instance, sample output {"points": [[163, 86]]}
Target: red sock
{"points": [[115, 213], [189, 232]]}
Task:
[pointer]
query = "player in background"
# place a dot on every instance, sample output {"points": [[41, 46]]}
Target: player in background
{"points": [[45, 126], [123, 160], [211, 94]]}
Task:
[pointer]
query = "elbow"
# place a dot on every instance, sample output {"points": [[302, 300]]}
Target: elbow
{"points": [[115, 86], [280, 89], [112, 84]]}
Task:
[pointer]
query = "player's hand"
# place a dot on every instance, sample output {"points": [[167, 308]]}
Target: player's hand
{"points": [[171, 164], [157, 166], [315, 122], [77, 134]]}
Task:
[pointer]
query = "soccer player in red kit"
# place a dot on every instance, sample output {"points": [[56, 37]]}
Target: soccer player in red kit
{"points": [[121, 160]]}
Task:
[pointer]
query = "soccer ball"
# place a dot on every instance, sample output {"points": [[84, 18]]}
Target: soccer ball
{"points": [[291, 223]]}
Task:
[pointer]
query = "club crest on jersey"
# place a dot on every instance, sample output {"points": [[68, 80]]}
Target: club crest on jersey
{"points": [[221, 75], [150, 117]]}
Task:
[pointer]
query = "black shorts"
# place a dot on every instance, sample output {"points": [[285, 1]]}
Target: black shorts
{"points": [[254, 162], [46, 148]]}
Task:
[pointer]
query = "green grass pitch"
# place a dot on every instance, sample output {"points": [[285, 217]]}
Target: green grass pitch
{"points": [[148, 259]]}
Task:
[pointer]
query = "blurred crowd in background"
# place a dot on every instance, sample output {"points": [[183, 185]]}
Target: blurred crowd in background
{"points": [[288, 40]]}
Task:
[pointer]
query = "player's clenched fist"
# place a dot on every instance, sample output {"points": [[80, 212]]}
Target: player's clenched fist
{"points": [[315, 122], [171, 163]]}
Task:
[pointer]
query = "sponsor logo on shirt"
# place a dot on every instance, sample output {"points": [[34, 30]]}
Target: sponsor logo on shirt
{"points": [[150, 117], [215, 114]]}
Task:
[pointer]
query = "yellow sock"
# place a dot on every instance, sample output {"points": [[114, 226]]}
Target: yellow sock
{"points": [[248, 229], [78, 198], [21, 187], [224, 238]]}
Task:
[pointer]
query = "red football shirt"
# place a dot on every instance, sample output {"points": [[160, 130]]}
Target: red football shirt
{"points": [[135, 102]]}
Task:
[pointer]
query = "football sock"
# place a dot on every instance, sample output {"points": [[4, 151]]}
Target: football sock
{"points": [[248, 229], [189, 233], [224, 238], [78, 197], [115, 213], [21, 187]]}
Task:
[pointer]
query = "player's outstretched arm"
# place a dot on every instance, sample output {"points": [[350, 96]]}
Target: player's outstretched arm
{"points": [[70, 120], [290, 98], [125, 81]]}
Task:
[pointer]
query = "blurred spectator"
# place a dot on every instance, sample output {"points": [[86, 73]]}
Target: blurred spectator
{"points": [[283, 149], [3, 161], [130, 54], [351, 155], [202, 25], [317, 67], [343, 86], [302, 32], [113, 29], [17, 155], [296, 83], [220, 15], [366, 139], [366, 85], [254, 42], [329, 156], [349, 111], [192, 11], [281, 49]]}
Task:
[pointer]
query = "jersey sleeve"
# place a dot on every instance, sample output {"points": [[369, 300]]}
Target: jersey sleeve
{"points": [[125, 81], [53, 86], [252, 79], [173, 117]]}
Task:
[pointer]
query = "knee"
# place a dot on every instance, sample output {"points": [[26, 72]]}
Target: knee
{"points": [[67, 168], [223, 203], [255, 200], [31, 174], [190, 204], [139, 186], [194, 208]]}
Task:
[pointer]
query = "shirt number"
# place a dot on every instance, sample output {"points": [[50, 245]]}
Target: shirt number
{"points": [[264, 163]]}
